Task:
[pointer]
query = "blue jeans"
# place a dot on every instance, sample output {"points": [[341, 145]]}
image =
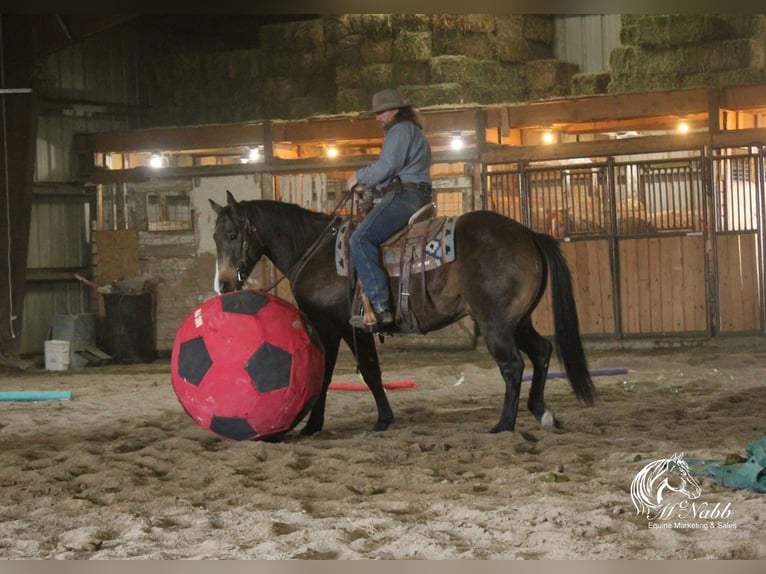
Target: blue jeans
{"points": [[391, 214]]}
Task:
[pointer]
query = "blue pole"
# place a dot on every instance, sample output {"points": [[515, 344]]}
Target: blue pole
{"points": [[35, 395]]}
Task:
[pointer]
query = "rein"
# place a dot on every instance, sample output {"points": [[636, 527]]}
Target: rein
{"points": [[313, 248]]}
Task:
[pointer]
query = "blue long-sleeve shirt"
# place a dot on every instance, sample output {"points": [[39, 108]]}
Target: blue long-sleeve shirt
{"points": [[405, 152]]}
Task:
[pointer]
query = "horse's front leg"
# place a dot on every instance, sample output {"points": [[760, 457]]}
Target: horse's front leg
{"points": [[363, 346], [315, 421]]}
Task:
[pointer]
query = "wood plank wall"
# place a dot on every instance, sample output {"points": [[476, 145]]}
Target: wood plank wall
{"points": [[738, 298]]}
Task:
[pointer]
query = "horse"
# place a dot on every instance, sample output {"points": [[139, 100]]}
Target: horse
{"points": [[498, 277], [654, 481]]}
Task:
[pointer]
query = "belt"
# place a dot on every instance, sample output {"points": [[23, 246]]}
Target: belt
{"points": [[412, 185]]}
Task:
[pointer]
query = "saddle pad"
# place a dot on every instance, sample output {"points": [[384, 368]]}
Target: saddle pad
{"points": [[342, 264], [432, 242], [439, 250]]}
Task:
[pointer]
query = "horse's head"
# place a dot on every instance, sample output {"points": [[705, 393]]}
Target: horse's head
{"points": [[651, 483], [237, 245]]}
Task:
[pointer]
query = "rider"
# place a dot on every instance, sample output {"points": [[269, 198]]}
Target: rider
{"points": [[401, 176]]}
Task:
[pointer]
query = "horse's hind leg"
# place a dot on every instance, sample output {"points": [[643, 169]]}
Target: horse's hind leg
{"points": [[501, 344], [539, 350]]}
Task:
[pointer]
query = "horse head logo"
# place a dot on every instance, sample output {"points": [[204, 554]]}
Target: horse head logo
{"points": [[661, 478]]}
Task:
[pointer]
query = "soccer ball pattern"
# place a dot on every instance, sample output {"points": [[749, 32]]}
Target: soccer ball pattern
{"points": [[247, 365]]}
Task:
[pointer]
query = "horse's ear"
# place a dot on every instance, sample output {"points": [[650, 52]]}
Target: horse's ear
{"points": [[230, 199], [217, 208]]}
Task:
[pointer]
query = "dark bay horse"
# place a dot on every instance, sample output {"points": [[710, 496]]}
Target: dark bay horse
{"points": [[499, 277]]}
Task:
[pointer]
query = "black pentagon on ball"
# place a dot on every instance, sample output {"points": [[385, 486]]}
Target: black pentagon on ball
{"points": [[269, 368], [235, 428], [194, 361], [244, 302]]}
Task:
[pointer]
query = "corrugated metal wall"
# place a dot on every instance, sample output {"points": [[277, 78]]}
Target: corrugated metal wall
{"points": [[91, 86], [586, 40]]}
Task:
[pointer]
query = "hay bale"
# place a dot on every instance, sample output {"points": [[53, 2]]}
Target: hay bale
{"points": [[433, 94], [727, 78], [306, 106], [452, 69], [479, 23], [300, 36], [462, 43], [348, 77], [376, 51], [510, 85], [412, 47], [411, 73], [634, 61], [590, 84], [370, 26], [348, 49], [483, 81], [294, 63], [663, 30], [351, 100], [375, 77], [411, 22], [278, 88], [548, 78], [532, 27]]}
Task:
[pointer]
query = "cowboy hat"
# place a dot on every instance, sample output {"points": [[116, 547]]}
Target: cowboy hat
{"points": [[385, 100]]}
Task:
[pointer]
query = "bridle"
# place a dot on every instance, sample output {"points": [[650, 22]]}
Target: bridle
{"points": [[242, 265]]}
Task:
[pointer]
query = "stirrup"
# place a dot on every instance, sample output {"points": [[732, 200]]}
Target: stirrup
{"points": [[357, 321]]}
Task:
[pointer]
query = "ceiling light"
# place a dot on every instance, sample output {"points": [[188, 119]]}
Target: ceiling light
{"points": [[332, 151], [548, 136], [683, 126], [253, 154]]}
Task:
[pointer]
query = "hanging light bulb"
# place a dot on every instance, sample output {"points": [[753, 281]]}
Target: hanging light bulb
{"points": [[548, 136], [456, 141], [155, 160], [331, 151], [683, 126]]}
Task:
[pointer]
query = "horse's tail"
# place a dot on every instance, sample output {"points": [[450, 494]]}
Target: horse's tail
{"points": [[568, 342]]}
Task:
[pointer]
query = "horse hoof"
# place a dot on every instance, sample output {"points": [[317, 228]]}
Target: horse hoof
{"points": [[548, 420], [382, 426]]}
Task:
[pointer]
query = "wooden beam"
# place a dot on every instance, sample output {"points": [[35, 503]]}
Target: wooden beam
{"points": [[743, 97], [603, 148], [601, 107], [175, 138]]}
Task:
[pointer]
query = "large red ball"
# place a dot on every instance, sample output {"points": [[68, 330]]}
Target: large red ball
{"points": [[247, 365]]}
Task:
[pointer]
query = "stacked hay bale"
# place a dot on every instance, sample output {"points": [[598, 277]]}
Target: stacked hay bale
{"points": [[482, 58], [441, 58], [297, 75], [361, 46], [664, 51]]}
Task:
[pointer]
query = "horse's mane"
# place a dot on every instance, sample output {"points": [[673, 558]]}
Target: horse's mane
{"points": [[303, 225]]}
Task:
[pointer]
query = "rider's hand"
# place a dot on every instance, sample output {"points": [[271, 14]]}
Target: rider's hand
{"points": [[351, 182]]}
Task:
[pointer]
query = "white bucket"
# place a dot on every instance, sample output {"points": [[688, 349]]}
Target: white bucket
{"points": [[56, 355]]}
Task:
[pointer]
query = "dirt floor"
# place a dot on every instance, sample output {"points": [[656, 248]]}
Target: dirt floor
{"points": [[121, 471]]}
